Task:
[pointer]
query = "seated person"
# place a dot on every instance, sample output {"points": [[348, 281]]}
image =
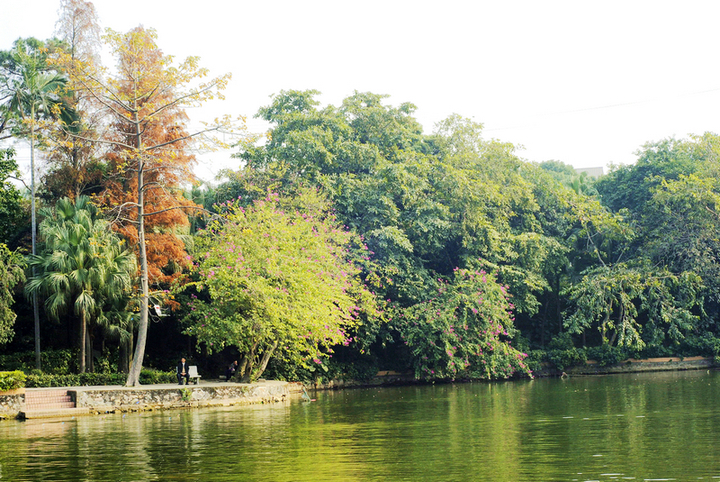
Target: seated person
{"points": [[231, 371], [182, 372]]}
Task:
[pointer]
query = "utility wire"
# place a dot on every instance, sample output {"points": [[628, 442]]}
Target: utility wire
{"points": [[600, 107]]}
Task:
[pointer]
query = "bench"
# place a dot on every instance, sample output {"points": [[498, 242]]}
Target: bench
{"points": [[193, 374]]}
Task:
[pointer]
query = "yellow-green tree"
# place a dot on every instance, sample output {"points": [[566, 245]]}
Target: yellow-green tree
{"points": [[277, 279]]}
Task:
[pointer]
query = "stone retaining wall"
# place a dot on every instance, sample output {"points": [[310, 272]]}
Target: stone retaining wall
{"points": [[11, 403], [108, 399], [646, 365], [383, 378], [96, 400], [591, 367]]}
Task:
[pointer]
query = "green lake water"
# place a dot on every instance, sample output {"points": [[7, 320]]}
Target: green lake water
{"points": [[645, 427]]}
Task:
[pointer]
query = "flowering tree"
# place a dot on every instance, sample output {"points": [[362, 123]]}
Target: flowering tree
{"points": [[464, 331], [278, 278]]}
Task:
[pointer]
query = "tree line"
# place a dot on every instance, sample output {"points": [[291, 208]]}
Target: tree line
{"points": [[346, 240]]}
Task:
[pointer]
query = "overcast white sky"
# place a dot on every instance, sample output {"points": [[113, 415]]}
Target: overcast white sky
{"points": [[586, 83]]}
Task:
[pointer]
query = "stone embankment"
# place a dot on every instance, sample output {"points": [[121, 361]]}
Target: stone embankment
{"points": [[11, 402], [645, 365], [591, 367], [383, 378], [27, 403]]}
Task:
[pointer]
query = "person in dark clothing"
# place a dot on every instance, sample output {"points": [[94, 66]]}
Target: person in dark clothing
{"points": [[231, 371], [182, 372]]}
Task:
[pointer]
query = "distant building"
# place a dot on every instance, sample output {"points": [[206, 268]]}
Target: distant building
{"points": [[591, 171]]}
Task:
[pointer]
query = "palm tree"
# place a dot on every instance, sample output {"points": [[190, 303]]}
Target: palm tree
{"points": [[30, 92], [84, 269]]}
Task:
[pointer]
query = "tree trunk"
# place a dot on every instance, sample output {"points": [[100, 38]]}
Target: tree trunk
{"points": [[244, 373], [90, 339], [134, 375], [123, 358], [265, 359], [603, 325], [615, 331], [36, 309], [83, 344], [242, 367], [542, 324], [248, 362], [558, 311]]}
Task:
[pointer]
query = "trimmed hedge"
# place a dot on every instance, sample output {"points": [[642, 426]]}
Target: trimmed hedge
{"points": [[147, 377], [11, 380], [150, 376]]}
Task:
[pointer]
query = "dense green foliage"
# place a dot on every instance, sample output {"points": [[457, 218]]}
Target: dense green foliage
{"points": [[59, 362], [277, 278], [348, 240], [463, 331], [428, 206], [148, 377], [12, 380], [32, 90], [11, 274], [84, 271], [11, 205]]}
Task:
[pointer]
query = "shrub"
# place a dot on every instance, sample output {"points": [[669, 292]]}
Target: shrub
{"points": [[562, 352], [361, 370], [107, 362], [60, 362], [535, 360], [607, 355], [149, 376], [186, 394], [561, 341], [705, 344], [11, 380], [36, 380], [657, 351], [563, 359]]}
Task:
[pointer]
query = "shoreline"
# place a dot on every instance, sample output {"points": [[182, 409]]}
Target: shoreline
{"points": [[59, 402], [632, 365], [591, 368], [20, 404]]}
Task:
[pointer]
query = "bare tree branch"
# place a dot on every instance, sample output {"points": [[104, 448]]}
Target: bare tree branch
{"points": [[189, 136], [21, 180]]}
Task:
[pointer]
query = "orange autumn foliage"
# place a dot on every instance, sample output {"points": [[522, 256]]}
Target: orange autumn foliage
{"points": [[167, 163]]}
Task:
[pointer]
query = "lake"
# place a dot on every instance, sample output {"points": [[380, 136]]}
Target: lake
{"points": [[647, 426]]}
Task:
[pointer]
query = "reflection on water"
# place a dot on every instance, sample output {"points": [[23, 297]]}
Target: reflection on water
{"points": [[620, 427]]}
